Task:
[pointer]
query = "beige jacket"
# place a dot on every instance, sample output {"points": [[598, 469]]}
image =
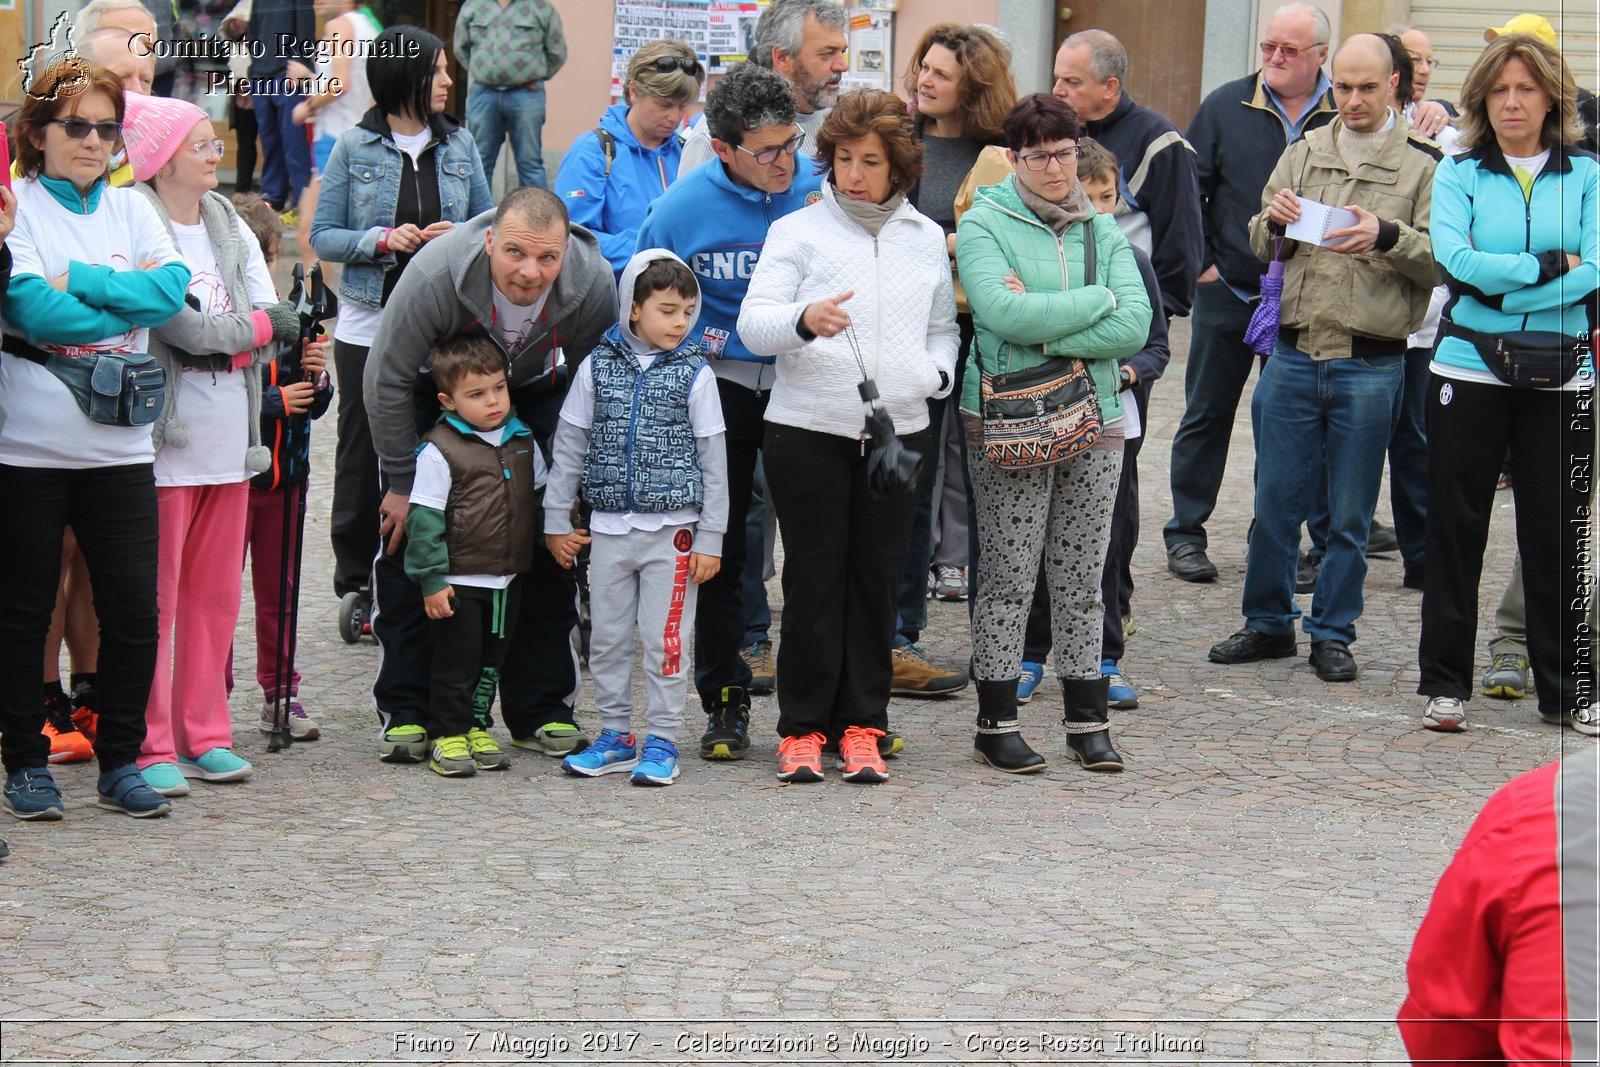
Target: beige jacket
{"points": [[1331, 296]]}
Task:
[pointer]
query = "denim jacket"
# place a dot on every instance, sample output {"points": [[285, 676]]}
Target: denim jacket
{"points": [[361, 185]]}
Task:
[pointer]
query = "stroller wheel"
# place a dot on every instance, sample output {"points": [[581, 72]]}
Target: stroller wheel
{"points": [[353, 618]]}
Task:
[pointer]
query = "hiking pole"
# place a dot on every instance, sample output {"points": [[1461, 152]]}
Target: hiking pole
{"points": [[313, 303]]}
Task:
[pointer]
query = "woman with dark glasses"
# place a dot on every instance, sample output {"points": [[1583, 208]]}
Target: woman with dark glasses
{"points": [[92, 270], [615, 172]]}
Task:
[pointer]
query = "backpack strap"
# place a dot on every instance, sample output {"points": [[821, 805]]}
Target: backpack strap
{"points": [[608, 145]]}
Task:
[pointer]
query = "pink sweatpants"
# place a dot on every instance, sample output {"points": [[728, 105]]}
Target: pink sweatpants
{"points": [[198, 584]]}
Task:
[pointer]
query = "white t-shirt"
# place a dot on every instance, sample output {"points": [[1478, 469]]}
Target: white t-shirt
{"points": [[517, 322], [43, 425], [348, 107], [431, 489], [705, 420], [357, 323], [216, 405]]}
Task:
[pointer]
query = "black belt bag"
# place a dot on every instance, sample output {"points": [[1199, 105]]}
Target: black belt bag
{"points": [[1527, 359], [112, 388]]}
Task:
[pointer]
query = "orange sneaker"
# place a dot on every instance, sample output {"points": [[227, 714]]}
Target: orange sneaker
{"points": [[87, 720], [858, 756], [800, 758], [67, 743]]}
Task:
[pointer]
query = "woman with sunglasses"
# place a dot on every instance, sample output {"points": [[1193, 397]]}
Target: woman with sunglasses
{"points": [[92, 270], [614, 173], [854, 286], [207, 440], [404, 175], [1024, 255]]}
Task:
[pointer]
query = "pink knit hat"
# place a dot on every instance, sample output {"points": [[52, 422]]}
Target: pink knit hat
{"points": [[154, 128]]}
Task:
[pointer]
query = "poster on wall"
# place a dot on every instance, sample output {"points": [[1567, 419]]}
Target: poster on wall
{"points": [[722, 33]]}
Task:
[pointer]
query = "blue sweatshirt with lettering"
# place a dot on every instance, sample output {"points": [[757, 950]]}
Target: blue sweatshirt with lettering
{"points": [[719, 227]]}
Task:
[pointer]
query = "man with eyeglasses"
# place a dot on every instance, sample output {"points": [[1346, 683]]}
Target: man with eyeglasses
{"points": [[1238, 134], [510, 48], [716, 220], [805, 42], [1157, 165]]}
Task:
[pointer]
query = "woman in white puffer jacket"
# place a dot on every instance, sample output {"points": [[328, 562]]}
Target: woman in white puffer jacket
{"points": [[854, 286]]}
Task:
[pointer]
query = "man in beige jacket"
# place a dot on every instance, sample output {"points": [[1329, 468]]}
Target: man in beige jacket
{"points": [[1329, 396]]}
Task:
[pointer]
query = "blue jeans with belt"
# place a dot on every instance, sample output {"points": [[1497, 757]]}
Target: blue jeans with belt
{"points": [[1337, 414], [493, 112]]}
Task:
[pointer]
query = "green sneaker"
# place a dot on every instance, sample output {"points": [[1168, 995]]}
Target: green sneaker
{"points": [[554, 739], [404, 744], [452, 757], [487, 754]]}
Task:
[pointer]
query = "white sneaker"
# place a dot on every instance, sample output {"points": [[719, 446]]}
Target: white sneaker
{"points": [[1584, 720], [1444, 713], [301, 725]]}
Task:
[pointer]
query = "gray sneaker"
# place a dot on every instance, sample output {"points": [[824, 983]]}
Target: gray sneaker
{"points": [[1584, 720], [1506, 678], [1444, 713]]}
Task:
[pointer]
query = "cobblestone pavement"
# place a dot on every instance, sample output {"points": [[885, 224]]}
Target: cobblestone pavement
{"points": [[1247, 891]]}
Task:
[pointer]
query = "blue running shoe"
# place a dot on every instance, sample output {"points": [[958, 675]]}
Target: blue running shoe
{"points": [[610, 753], [658, 764], [32, 793], [1032, 678], [1119, 694], [124, 789]]}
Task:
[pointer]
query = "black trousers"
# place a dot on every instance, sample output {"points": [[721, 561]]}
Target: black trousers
{"points": [[719, 623], [1116, 581], [354, 522], [539, 680], [1551, 439], [469, 648], [844, 553], [112, 512]]}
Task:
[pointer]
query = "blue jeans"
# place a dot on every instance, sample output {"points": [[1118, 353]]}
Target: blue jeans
{"points": [[493, 113], [1219, 365], [1342, 411], [285, 152]]}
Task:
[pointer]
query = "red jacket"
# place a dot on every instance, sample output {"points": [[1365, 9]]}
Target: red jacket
{"points": [[1503, 969]]}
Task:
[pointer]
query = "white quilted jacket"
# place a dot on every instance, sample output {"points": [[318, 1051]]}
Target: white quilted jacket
{"points": [[903, 316]]}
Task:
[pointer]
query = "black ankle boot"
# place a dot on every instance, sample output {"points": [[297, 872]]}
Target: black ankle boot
{"points": [[1088, 729], [999, 741]]}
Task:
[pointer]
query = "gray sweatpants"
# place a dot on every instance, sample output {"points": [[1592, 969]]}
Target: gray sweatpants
{"points": [[1064, 513], [641, 579]]}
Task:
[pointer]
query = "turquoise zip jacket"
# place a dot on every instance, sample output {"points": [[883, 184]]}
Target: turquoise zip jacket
{"points": [[1503, 254], [1100, 322]]}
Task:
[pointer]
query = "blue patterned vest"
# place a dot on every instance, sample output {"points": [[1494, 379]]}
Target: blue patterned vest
{"points": [[641, 448]]}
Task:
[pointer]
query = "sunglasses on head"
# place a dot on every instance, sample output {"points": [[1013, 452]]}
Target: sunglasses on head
{"points": [[79, 129], [668, 64]]}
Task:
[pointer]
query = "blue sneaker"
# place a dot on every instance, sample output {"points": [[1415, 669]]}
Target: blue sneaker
{"points": [[658, 764], [124, 789], [1032, 678], [611, 752], [218, 765], [32, 793], [1119, 694]]}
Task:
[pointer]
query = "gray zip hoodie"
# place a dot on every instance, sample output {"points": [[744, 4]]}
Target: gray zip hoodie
{"points": [[447, 291]]}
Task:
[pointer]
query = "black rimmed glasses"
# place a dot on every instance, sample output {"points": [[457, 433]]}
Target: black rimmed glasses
{"points": [[79, 129], [1062, 157], [766, 157]]}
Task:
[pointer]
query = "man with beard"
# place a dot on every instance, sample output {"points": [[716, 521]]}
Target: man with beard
{"points": [[803, 40]]}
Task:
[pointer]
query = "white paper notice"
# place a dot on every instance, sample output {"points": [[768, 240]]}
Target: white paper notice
{"points": [[1317, 220], [1132, 428]]}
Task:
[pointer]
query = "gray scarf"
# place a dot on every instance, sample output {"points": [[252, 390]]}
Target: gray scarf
{"points": [[1074, 208], [870, 216]]}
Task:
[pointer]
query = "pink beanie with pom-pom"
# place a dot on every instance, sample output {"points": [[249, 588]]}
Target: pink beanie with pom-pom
{"points": [[154, 128]]}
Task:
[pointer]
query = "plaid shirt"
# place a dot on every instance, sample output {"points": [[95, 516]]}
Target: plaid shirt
{"points": [[510, 44]]}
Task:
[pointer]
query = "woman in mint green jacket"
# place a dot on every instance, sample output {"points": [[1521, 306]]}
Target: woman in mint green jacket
{"points": [[1021, 253]]}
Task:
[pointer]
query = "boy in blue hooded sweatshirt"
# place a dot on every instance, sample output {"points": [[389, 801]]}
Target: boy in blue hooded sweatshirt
{"points": [[641, 440], [470, 531], [716, 220]]}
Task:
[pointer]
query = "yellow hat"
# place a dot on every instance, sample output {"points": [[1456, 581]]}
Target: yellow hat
{"points": [[1537, 25]]}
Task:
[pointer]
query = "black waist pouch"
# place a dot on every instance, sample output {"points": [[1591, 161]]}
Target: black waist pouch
{"points": [[1528, 359]]}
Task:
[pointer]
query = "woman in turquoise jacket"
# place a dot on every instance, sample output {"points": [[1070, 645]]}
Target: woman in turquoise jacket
{"points": [[1021, 253], [1516, 231]]}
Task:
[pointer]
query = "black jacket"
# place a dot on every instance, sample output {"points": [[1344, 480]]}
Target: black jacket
{"points": [[1237, 138], [1160, 181]]}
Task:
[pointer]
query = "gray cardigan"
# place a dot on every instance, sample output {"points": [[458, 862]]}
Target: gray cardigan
{"points": [[193, 339]]}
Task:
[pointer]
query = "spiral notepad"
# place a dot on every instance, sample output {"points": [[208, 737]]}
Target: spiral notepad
{"points": [[1317, 220]]}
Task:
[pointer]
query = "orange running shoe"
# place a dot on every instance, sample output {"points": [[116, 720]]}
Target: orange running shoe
{"points": [[85, 718], [67, 743], [800, 758], [858, 756]]}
